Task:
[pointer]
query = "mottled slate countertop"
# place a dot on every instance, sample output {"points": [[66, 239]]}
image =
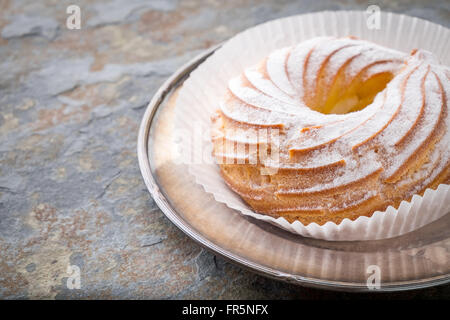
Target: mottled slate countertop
{"points": [[70, 188]]}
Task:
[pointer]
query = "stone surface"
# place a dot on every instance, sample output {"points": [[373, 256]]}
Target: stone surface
{"points": [[70, 188]]}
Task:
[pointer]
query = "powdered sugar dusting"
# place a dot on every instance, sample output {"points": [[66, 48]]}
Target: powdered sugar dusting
{"points": [[277, 72], [411, 104]]}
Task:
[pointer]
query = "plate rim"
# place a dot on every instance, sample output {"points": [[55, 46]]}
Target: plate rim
{"points": [[162, 202]]}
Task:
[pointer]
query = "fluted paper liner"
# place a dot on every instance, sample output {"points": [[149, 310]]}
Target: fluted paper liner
{"points": [[200, 95]]}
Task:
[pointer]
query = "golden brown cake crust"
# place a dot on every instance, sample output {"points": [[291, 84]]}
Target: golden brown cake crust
{"points": [[334, 128]]}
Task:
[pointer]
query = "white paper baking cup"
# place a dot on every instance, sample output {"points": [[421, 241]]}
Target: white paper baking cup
{"points": [[199, 96]]}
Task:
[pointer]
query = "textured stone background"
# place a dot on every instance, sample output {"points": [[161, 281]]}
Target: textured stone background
{"points": [[70, 188]]}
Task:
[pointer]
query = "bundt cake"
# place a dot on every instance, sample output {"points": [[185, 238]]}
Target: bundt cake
{"points": [[334, 128]]}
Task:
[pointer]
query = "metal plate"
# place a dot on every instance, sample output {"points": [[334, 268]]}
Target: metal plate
{"points": [[415, 260]]}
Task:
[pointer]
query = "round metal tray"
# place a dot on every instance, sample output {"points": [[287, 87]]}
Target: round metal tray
{"points": [[415, 260]]}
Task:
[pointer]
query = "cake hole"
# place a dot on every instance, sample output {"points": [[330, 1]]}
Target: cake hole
{"points": [[342, 99]]}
